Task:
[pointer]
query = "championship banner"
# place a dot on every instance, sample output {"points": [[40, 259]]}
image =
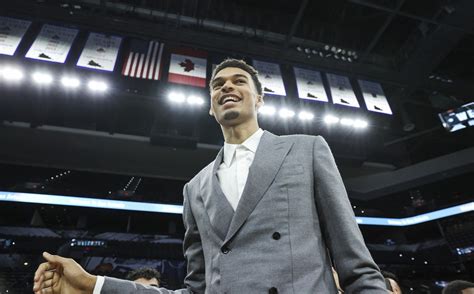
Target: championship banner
{"points": [[52, 44], [374, 97], [341, 91], [310, 85], [270, 76], [143, 61], [188, 67], [11, 32], [100, 52]]}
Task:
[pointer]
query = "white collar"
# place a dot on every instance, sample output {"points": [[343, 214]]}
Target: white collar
{"points": [[251, 144]]}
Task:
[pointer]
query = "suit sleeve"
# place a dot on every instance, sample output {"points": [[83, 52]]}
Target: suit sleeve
{"points": [[357, 271], [192, 247], [195, 279]]}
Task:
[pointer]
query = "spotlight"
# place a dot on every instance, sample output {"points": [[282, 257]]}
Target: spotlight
{"points": [[333, 49], [349, 59], [347, 122], [326, 47], [343, 51], [304, 115], [299, 49], [70, 82], [42, 78], [331, 119], [286, 113], [336, 56], [339, 50], [343, 58], [176, 97], [321, 54], [267, 110], [314, 51], [360, 124], [195, 100], [307, 50], [12, 74], [97, 86]]}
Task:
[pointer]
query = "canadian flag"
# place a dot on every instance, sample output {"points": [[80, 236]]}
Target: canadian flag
{"points": [[188, 67]]}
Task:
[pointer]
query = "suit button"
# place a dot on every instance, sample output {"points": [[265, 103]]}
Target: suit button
{"points": [[225, 250], [273, 290], [276, 236]]}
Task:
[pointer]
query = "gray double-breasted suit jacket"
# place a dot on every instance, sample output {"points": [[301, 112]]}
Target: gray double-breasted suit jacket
{"points": [[293, 214]]}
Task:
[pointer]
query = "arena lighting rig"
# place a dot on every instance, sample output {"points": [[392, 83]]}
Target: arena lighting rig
{"points": [[12, 74]]}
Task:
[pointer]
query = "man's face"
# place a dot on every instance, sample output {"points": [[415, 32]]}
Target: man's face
{"points": [[146, 282], [234, 98]]}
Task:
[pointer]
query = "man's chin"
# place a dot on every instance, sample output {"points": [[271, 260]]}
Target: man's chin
{"points": [[231, 115]]}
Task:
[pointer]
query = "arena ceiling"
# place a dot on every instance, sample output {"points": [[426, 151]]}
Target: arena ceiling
{"points": [[421, 51]]}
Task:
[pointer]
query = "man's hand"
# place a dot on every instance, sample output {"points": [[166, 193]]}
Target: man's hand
{"points": [[61, 275]]}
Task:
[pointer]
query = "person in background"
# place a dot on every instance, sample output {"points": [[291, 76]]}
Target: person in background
{"points": [[392, 282], [145, 276], [459, 287]]}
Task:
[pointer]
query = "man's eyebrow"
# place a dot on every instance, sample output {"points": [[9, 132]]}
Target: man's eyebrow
{"points": [[218, 79]]}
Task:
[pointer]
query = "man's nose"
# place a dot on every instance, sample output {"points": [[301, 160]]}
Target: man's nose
{"points": [[227, 86]]}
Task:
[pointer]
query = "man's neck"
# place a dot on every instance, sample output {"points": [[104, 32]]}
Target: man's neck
{"points": [[238, 134]]}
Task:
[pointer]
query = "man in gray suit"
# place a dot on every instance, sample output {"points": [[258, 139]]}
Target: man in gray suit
{"points": [[267, 216]]}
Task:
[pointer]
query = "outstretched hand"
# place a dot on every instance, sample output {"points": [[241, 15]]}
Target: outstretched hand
{"points": [[61, 275]]}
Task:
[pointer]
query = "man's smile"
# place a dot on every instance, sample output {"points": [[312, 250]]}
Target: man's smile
{"points": [[229, 98]]}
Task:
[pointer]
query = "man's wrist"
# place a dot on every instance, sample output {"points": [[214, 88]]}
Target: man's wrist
{"points": [[90, 283]]}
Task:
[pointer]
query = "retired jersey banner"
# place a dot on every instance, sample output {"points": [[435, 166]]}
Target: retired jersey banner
{"points": [[52, 44], [11, 32], [310, 85], [100, 52], [188, 67], [374, 97], [341, 91], [270, 76], [143, 61]]}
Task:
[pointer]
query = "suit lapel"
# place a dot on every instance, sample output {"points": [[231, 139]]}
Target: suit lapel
{"points": [[269, 156], [218, 208]]}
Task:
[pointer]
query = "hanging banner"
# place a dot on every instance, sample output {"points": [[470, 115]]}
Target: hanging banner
{"points": [[310, 85], [52, 44], [100, 52], [374, 97], [11, 32], [143, 61], [270, 77], [188, 66], [341, 91]]}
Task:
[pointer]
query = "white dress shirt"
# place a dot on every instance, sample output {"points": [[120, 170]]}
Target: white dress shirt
{"points": [[234, 169], [232, 174]]}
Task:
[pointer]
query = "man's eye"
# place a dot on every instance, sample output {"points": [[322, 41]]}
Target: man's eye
{"points": [[216, 86], [240, 81]]}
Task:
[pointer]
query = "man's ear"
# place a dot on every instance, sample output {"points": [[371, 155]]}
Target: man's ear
{"points": [[260, 101], [211, 113]]}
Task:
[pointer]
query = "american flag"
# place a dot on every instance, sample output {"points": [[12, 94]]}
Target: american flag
{"points": [[144, 60]]}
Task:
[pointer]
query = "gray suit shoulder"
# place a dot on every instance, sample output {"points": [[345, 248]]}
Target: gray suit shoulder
{"points": [[197, 179], [304, 139]]}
